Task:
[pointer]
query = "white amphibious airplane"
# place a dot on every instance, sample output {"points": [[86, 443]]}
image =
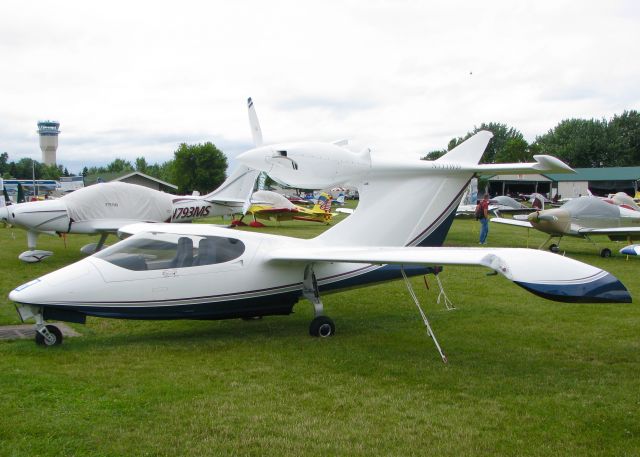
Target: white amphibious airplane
{"points": [[106, 207], [198, 271]]}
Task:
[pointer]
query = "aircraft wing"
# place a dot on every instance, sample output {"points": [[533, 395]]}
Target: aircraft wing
{"points": [[610, 231], [542, 273], [270, 210], [504, 220]]}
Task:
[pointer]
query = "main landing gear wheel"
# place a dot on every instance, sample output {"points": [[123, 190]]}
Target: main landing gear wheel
{"points": [[606, 252], [54, 338], [554, 248], [322, 326]]}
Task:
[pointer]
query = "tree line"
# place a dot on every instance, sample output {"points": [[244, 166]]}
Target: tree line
{"points": [[200, 167], [581, 143]]}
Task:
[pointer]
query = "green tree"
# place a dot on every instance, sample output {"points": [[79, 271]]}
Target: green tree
{"points": [[141, 165], [119, 166], [514, 150], [434, 155], [579, 143], [503, 137], [4, 163], [624, 132], [200, 167], [51, 171]]}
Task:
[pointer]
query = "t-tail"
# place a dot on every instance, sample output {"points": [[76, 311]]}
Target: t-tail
{"points": [[256, 132], [409, 203]]}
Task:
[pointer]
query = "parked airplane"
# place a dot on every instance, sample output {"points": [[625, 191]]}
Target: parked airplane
{"points": [[104, 208], [582, 217], [267, 205], [198, 271], [497, 205], [624, 200]]}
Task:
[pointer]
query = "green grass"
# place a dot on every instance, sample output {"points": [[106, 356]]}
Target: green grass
{"points": [[526, 376]]}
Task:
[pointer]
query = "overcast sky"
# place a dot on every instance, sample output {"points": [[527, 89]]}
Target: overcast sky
{"points": [[135, 78]]}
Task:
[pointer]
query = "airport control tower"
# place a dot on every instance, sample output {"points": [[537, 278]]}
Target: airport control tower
{"points": [[48, 131]]}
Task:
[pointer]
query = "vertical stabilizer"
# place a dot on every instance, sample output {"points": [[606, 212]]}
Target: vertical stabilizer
{"points": [[468, 152], [256, 132]]}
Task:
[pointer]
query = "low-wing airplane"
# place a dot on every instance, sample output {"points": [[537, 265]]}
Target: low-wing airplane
{"points": [[624, 200], [106, 207], [582, 217], [497, 205], [198, 271], [267, 205]]}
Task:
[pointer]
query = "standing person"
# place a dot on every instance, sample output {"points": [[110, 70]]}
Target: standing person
{"points": [[482, 214]]}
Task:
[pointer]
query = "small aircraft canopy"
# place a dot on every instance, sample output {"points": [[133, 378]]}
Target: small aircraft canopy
{"points": [[591, 207], [160, 251]]}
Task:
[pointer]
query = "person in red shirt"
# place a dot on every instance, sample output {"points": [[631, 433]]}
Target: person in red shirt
{"points": [[482, 214]]}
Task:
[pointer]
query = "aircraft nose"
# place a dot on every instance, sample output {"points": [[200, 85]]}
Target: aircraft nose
{"points": [[256, 158], [74, 283], [550, 220]]}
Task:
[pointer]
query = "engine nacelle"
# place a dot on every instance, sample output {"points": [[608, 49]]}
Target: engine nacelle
{"points": [[308, 165]]}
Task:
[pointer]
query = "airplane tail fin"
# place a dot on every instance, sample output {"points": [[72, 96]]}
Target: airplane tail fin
{"points": [[256, 132], [412, 206], [324, 204], [468, 152]]}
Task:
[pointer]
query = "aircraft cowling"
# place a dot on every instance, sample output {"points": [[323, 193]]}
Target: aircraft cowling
{"points": [[308, 165], [552, 221], [40, 216]]}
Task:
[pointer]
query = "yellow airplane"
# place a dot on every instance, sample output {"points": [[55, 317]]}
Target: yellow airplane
{"points": [[267, 205]]}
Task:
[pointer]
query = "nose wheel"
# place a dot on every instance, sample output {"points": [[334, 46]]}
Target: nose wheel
{"points": [[48, 335]]}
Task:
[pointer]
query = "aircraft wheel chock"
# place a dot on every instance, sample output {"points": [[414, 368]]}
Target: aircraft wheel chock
{"points": [[606, 252], [322, 326], [54, 332]]}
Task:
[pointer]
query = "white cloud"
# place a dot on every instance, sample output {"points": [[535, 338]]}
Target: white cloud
{"points": [[137, 78]]}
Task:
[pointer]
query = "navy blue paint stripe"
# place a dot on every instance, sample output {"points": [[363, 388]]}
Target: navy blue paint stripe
{"points": [[607, 289]]}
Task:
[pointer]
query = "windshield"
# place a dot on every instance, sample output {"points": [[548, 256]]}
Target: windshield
{"points": [[159, 251]]}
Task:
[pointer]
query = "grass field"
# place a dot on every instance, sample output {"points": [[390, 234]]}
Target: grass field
{"points": [[526, 377]]}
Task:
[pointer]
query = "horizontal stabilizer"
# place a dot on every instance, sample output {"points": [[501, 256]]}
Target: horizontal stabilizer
{"points": [[542, 164], [542, 273]]}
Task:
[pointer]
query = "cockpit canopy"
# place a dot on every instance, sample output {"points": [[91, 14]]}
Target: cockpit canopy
{"points": [[591, 207], [160, 251]]}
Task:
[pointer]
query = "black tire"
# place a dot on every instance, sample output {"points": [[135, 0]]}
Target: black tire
{"points": [[322, 327], [554, 248], [55, 331], [251, 318], [606, 252]]}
